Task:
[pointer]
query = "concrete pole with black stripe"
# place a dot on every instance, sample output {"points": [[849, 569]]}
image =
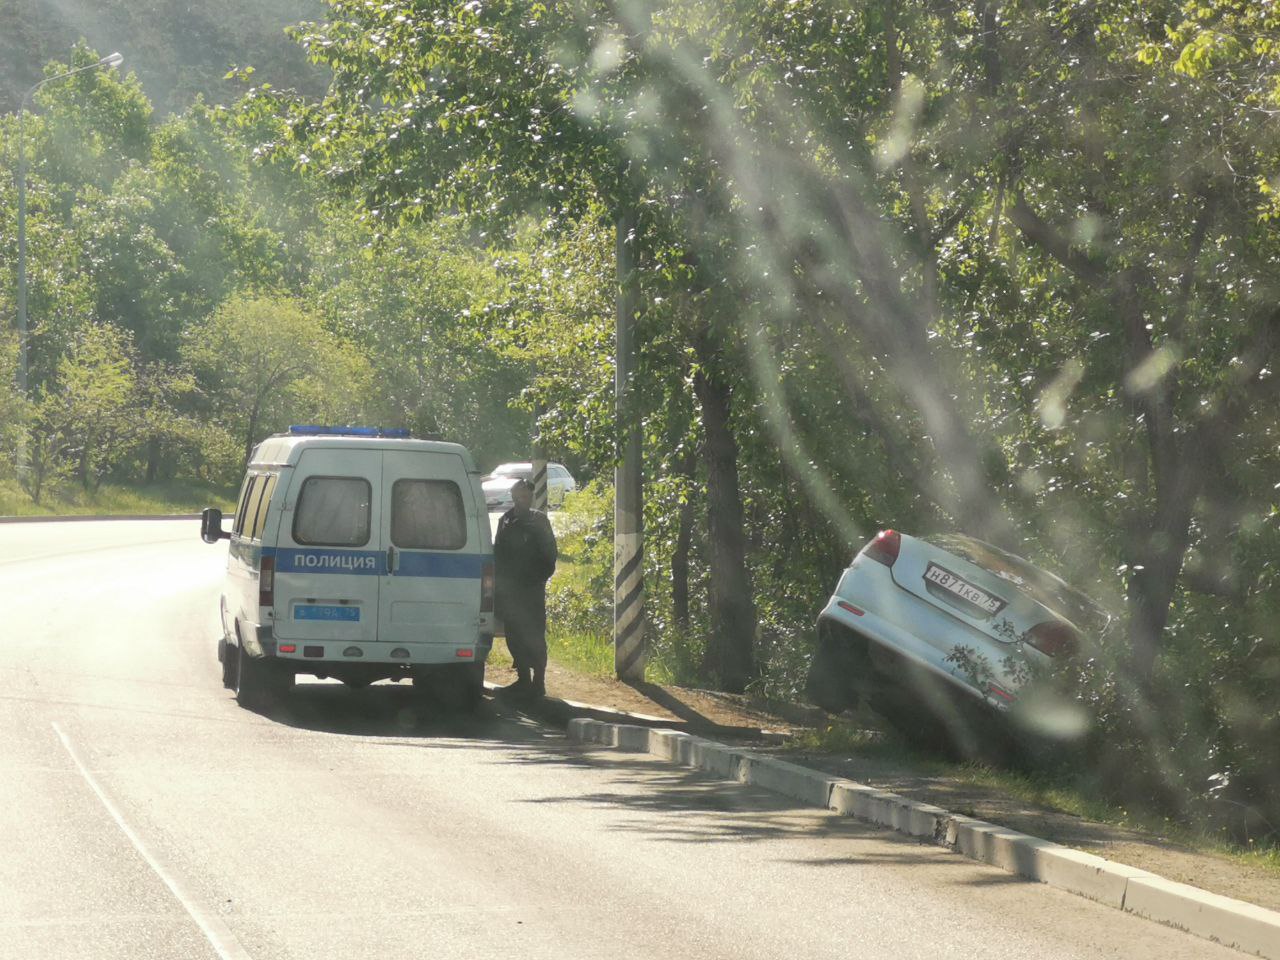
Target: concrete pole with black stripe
{"points": [[539, 458], [629, 642]]}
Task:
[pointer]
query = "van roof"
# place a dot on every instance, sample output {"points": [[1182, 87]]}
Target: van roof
{"points": [[283, 450]]}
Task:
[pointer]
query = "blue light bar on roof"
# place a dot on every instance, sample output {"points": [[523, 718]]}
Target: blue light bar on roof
{"points": [[315, 430]]}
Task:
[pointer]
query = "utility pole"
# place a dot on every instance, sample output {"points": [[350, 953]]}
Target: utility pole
{"points": [[539, 458], [629, 642]]}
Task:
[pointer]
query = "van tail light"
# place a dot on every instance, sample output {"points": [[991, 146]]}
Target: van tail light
{"points": [[884, 548], [1053, 638], [486, 587], [267, 582]]}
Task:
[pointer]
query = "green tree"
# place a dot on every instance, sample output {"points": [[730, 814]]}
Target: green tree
{"points": [[88, 418], [501, 110], [263, 361]]}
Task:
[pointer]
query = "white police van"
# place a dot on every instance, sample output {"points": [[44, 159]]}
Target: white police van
{"points": [[360, 554]]}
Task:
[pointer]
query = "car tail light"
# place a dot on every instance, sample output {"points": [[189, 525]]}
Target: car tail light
{"points": [[884, 548], [998, 691], [267, 582], [1053, 638], [486, 587]]}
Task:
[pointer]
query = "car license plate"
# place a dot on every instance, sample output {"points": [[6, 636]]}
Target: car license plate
{"points": [[318, 611], [963, 589]]}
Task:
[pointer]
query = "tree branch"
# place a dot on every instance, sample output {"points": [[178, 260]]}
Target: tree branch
{"points": [[1053, 241]]}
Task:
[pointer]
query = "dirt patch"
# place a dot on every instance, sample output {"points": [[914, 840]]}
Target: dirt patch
{"points": [[767, 727], [699, 711]]}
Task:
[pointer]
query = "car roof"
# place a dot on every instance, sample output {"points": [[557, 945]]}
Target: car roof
{"points": [[524, 465], [284, 450]]}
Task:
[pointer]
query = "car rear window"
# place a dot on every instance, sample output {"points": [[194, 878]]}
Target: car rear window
{"points": [[333, 512], [513, 470], [1042, 586], [428, 515]]}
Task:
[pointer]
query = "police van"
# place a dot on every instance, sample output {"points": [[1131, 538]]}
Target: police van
{"points": [[361, 554]]}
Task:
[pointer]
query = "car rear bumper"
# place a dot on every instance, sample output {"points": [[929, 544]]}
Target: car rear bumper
{"points": [[319, 652], [907, 645]]}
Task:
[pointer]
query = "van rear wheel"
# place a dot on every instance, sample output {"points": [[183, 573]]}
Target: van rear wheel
{"points": [[260, 682], [456, 687]]}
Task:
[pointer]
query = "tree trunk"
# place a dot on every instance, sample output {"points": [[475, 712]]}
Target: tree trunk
{"points": [[153, 459], [684, 541], [730, 653], [250, 433]]}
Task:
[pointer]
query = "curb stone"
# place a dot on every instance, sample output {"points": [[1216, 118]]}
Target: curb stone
{"points": [[1233, 923]]}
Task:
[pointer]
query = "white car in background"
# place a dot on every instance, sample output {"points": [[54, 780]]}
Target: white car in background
{"points": [[497, 485], [944, 635]]}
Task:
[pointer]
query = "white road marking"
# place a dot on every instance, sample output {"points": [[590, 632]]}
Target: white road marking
{"points": [[220, 937]]}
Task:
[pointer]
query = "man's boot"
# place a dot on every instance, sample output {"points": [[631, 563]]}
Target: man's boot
{"points": [[522, 685]]}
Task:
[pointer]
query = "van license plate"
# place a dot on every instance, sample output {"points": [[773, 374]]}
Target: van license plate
{"points": [[966, 591], [318, 611]]}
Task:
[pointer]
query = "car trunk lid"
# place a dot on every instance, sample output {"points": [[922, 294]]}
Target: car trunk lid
{"points": [[978, 585]]}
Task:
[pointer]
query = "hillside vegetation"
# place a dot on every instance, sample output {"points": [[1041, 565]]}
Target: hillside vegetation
{"points": [[178, 49]]}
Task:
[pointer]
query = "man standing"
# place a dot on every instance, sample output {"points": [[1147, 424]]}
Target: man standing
{"points": [[524, 553]]}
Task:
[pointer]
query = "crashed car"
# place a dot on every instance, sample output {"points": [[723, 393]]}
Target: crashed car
{"points": [[944, 635]]}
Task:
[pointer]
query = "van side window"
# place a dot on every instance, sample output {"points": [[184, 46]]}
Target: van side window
{"points": [[427, 515], [260, 514], [333, 512], [245, 505]]}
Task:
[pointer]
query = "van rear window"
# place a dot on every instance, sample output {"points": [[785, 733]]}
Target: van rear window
{"points": [[427, 515], [332, 512]]}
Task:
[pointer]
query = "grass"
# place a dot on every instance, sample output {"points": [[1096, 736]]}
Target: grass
{"points": [[581, 652], [592, 654], [1039, 789], [116, 499]]}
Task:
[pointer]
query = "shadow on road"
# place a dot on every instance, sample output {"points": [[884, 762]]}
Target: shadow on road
{"points": [[703, 810], [692, 807], [396, 710]]}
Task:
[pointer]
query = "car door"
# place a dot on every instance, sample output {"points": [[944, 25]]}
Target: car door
{"points": [[328, 555], [434, 557]]}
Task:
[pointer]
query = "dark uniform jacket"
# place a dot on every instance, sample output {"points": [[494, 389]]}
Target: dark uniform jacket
{"points": [[524, 554]]}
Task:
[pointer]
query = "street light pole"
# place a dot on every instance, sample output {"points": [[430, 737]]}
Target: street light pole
{"points": [[111, 60]]}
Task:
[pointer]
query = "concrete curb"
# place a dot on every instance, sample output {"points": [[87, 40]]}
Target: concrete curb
{"points": [[113, 516], [1232, 923], [555, 710]]}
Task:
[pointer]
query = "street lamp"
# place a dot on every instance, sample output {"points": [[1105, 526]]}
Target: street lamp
{"points": [[111, 60]]}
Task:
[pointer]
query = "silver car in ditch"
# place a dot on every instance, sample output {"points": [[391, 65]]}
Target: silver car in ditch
{"points": [[943, 635]]}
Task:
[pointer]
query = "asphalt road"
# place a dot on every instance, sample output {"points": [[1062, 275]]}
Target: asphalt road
{"points": [[143, 814]]}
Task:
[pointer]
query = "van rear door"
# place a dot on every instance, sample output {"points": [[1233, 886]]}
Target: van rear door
{"points": [[431, 590], [328, 555]]}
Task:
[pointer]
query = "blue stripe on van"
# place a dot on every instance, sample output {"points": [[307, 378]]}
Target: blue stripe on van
{"points": [[373, 563], [458, 566]]}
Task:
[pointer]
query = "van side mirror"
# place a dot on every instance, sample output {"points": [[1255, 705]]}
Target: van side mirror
{"points": [[211, 526]]}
